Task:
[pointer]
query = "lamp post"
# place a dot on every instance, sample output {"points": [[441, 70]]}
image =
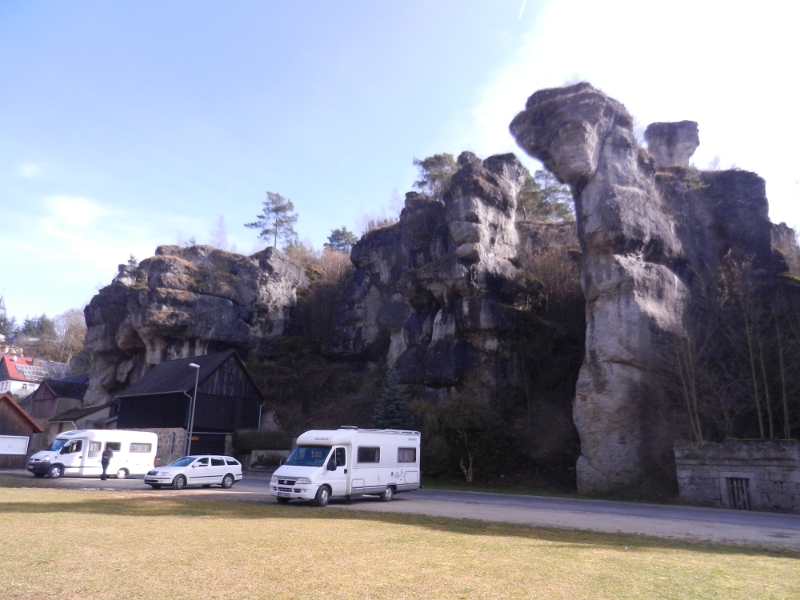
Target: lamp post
{"points": [[191, 410]]}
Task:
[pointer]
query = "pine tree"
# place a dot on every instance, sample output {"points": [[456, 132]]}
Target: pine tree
{"points": [[392, 410], [276, 220]]}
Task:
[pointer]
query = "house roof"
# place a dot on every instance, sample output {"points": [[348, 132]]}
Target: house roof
{"points": [[6, 399], [79, 413], [69, 387], [23, 368], [177, 376]]}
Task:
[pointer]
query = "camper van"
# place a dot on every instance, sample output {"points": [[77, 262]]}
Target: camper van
{"points": [[78, 453], [349, 463]]}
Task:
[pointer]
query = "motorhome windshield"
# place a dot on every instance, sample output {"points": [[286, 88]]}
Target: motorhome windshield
{"points": [[308, 456], [57, 445]]}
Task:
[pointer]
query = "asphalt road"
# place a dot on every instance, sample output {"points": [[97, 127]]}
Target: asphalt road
{"points": [[774, 530]]}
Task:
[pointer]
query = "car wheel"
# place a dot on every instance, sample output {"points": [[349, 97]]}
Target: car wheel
{"points": [[56, 471], [283, 500], [227, 481], [122, 474], [323, 495], [155, 486], [39, 474], [179, 482], [387, 494]]}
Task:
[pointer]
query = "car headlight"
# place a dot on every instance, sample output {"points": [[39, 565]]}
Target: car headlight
{"points": [[274, 480], [303, 480]]}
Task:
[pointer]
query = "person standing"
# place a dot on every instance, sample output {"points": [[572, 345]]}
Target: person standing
{"points": [[105, 458]]}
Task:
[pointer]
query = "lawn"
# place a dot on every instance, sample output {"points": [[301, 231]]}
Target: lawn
{"points": [[98, 544]]}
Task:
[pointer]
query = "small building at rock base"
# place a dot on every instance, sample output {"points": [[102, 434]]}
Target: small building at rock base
{"points": [[227, 400], [14, 421]]}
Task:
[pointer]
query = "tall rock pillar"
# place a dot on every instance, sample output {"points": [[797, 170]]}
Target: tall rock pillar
{"points": [[635, 301]]}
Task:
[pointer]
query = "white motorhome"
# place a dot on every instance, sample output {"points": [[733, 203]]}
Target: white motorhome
{"points": [[78, 453], [349, 463]]}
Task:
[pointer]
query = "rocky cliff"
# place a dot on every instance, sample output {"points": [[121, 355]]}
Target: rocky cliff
{"points": [[652, 229], [186, 302], [438, 295]]}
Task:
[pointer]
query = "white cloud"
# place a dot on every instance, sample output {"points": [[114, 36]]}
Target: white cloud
{"points": [[728, 66], [29, 171], [75, 213]]}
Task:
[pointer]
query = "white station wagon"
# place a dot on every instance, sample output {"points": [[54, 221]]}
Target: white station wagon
{"points": [[205, 470]]}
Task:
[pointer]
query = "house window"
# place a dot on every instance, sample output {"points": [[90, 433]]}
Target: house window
{"points": [[369, 455], [141, 447], [406, 455]]}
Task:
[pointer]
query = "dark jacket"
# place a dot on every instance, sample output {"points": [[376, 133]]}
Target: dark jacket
{"points": [[107, 455]]}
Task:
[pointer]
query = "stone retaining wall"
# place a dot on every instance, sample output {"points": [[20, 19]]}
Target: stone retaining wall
{"points": [[754, 475]]}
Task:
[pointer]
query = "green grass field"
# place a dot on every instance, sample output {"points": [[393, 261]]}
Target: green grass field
{"points": [[94, 544]]}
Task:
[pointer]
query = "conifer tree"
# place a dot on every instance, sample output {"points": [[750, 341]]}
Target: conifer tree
{"points": [[392, 410], [276, 220]]}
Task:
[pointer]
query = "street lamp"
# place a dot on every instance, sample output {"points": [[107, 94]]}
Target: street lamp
{"points": [[191, 410]]}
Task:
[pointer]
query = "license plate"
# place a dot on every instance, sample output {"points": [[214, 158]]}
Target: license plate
{"points": [[284, 494]]}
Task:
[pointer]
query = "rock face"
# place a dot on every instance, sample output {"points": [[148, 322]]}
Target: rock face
{"points": [[651, 228], [186, 302], [438, 293], [672, 144]]}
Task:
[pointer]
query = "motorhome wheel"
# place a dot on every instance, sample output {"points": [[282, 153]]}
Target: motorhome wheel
{"points": [[122, 474], [323, 495], [387, 494], [283, 500], [56, 471]]}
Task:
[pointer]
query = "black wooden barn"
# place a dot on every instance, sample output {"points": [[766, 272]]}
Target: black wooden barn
{"points": [[227, 399]]}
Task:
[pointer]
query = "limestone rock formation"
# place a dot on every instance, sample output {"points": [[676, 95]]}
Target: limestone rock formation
{"points": [[186, 302], [438, 293], [672, 144], [651, 229]]}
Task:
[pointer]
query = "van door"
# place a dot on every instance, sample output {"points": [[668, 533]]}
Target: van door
{"points": [[72, 456], [338, 479], [117, 461], [91, 463]]}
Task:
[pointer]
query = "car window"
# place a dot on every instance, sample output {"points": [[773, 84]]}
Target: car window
{"points": [[232, 461], [202, 462], [217, 462]]}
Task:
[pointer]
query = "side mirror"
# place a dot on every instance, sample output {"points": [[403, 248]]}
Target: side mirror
{"points": [[331, 465]]}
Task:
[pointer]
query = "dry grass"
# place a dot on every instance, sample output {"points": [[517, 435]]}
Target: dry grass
{"points": [[92, 544]]}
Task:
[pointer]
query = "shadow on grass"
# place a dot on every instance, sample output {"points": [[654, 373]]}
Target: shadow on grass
{"points": [[189, 507]]}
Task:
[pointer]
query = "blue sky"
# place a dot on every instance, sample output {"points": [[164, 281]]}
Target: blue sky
{"points": [[128, 125]]}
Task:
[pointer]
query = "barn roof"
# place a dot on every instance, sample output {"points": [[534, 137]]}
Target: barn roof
{"points": [[78, 413], [176, 375]]}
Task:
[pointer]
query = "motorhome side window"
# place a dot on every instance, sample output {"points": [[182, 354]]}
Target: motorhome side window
{"points": [[95, 446], [406, 455], [369, 455], [141, 447], [115, 446]]}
